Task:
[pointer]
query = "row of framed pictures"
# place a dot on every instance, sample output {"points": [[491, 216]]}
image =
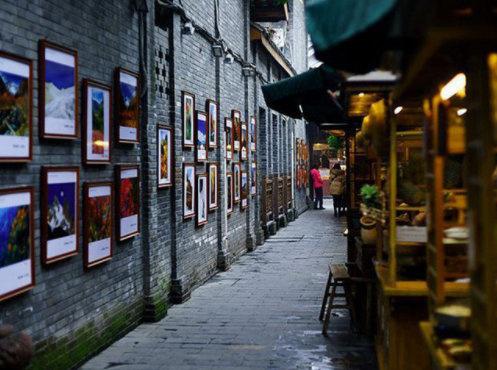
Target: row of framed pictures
{"points": [[200, 129], [60, 219], [200, 191], [302, 164], [58, 107]]}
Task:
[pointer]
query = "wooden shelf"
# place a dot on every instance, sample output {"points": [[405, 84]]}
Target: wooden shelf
{"points": [[415, 288], [409, 208], [441, 360]]}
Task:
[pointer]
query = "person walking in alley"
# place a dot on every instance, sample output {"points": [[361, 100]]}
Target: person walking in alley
{"points": [[337, 186], [317, 185]]}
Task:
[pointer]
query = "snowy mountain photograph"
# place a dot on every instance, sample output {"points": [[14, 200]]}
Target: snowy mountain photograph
{"points": [[59, 93], [61, 210]]}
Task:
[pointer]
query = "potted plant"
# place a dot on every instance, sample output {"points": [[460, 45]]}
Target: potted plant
{"points": [[371, 199], [336, 143]]}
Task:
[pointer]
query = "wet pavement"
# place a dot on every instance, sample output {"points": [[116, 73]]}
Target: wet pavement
{"points": [[262, 314]]}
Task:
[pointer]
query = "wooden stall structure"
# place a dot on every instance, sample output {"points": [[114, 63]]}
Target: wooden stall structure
{"points": [[267, 214]]}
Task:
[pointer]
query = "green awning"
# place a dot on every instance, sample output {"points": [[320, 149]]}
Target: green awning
{"points": [[306, 95], [350, 35]]}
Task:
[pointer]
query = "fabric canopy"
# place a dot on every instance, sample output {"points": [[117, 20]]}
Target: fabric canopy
{"points": [[350, 35], [307, 95]]}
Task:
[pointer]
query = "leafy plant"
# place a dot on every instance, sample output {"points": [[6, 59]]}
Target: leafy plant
{"points": [[335, 142], [370, 196]]}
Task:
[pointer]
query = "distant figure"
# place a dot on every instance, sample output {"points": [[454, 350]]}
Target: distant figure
{"points": [[16, 350], [337, 187], [317, 185]]}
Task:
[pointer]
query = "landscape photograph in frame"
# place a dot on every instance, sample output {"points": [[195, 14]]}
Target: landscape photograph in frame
{"points": [[212, 119], [236, 182], [202, 206], [229, 193], [128, 201], [213, 183], [243, 138], [228, 124], [201, 137], [127, 100], [165, 156], [252, 130], [15, 108], [59, 213], [253, 178], [96, 122], [188, 190], [188, 118], [16, 241], [58, 90], [97, 223], [244, 189], [236, 117]]}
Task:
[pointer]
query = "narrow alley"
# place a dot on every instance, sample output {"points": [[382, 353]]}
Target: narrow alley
{"points": [[263, 313]]}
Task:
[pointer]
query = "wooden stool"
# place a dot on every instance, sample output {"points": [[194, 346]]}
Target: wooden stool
{"points": [[338, 277]]}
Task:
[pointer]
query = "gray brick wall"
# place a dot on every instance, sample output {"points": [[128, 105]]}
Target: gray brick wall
{"points": [[85, 310]]}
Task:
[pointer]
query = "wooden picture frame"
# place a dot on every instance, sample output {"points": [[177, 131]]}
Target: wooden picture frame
{"points": [[188, 119], [253, 134], [165, 156], [16, 142], [98, 223], [236, 117], [213, 186], [201, 205], [229, 193], [127, 106], [244, 190], [212, 109], [253, 179], [201, 135], [189, 192], [243, 141], [56, 65], [228, 125], [127, 179], [96, 146], [236, 182], [59, 221], [17, 267]]}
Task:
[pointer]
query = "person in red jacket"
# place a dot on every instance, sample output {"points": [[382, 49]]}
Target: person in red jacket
{"points": [[317, 185]]}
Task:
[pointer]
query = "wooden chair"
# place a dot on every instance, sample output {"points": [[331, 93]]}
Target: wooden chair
{"points": [[337, 277]]}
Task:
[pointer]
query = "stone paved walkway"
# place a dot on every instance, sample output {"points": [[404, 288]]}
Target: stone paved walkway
{"points": [[262, 314]]}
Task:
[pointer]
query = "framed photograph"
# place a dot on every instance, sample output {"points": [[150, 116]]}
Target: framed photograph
{"points": [[165, 158], [188, 190], [236, 182], [236, 118], [59, 213], [202, 206], [17, 268], [98, 199], [228, 124], [127, 106], [253, 179], [229, 193], [201, 136], [253, 133], [243, 138], [212, 119], [244, 190], [188, 117], [297, 176], [96, 122], [213, 186], [16, 99], [128, 201], [58, 91]]}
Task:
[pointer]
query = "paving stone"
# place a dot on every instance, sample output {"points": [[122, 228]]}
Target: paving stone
{"points": [[261, 314]]}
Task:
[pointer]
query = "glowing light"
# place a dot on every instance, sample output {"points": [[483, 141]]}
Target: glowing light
{"points": [[361, 95], [398, 109], [461, 111], [455, 86]]}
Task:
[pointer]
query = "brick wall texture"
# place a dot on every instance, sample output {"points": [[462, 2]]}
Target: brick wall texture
{"points": [[73, 313]]}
